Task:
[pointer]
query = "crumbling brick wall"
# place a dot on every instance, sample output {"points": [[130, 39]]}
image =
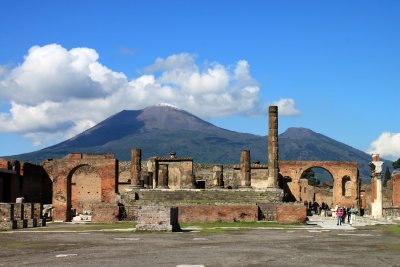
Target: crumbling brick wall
{"points": [[291, 213], [215, 213]]}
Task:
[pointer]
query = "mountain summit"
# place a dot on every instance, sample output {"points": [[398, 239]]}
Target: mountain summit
{"points": [[160, 129]]}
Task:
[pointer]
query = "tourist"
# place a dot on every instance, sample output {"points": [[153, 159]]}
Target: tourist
{"points": [[348, 214], [353, 212], [343, 214], [339, 214]]}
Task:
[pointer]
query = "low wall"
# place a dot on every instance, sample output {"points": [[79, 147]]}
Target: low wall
{"points": [[20, 215], [178, 197], [291, 213], [105, 213], [215, 213]]}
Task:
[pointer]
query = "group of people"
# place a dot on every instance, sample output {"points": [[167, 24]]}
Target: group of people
{"points": [[316, 207], [343, 212]]}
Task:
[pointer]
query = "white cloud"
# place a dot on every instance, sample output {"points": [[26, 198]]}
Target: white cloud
{"points": [[57, 93], [286, 107], [387, 145]]}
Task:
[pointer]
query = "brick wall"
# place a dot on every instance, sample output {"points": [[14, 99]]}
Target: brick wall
{"points": [[396, 190], [214, 213], [105, 213], [291, 213]]}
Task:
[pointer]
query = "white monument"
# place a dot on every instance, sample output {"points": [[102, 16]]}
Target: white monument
{"points": [[376, 175]]}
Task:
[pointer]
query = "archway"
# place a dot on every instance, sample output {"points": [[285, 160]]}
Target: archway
{"points": [[317, 187], [83, 190]]}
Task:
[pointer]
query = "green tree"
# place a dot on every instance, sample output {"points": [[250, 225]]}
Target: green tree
{"points": [[396, 164], [387, 177], [308, 174]]}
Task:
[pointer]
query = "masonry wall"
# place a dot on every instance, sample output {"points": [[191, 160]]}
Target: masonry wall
{"points": [[291, 213], [218, 213], [396, 190]]}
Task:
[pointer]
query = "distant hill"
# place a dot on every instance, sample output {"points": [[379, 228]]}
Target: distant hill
{"points": [[158, 130]]}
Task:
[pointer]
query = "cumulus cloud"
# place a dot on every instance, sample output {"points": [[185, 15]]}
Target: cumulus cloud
{"points": [[286, 107], [56, 93], [387, 145]]}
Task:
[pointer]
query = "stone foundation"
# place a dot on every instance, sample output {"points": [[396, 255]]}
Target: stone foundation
{"points": [[20, 215], [105, 213], [218, 213], [291, 213]]}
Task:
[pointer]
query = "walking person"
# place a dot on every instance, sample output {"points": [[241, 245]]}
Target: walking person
{"points": [[339, 215]]}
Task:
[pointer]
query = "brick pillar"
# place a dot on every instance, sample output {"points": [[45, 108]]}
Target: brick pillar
{"points": [[163, 176], [273, 169], [245, 171], [396, 188], [136, 167]]}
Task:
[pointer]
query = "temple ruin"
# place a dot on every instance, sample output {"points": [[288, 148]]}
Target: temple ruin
{"points": [[108, 190]]}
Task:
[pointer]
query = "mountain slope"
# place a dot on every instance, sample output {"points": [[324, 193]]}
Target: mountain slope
{"points": [[158, 130]]}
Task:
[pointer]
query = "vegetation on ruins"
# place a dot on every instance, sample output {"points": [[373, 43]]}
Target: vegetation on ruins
{"points": [[387, 177]]}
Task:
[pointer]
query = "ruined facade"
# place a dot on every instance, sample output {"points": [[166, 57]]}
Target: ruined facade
{"points": [[81, 181], [94, 184]]}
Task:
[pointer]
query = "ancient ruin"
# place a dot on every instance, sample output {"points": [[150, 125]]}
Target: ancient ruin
{"points": [[105, 190]]}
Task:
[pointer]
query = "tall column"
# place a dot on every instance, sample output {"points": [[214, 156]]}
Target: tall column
{"points": [[163, 176], [245, 170], [136, 167], [376, 174], [273, 168]]}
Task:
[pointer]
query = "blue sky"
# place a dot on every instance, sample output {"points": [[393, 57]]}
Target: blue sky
{"points": [[332, 66]]}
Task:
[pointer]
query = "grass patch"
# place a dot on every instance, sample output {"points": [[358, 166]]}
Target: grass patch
{"points": [[243, 225], [84, 227]]}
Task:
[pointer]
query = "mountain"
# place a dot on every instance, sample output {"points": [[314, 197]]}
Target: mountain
{"points": [[158, 130]]}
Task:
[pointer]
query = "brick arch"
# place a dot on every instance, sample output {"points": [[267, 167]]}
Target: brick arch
{"points": [[60, 172], [338, 170], [83, 190]]}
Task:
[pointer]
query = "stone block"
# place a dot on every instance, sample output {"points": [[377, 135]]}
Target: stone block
{"points": [[157, 218], [28, 211], [6, 212], [18, 224], [37, 210], [18, 211], [6, 225]]}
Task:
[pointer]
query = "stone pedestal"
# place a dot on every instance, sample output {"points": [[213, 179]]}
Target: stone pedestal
{"points": [[157, 218]]}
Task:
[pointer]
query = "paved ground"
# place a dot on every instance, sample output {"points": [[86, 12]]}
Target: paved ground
{"points": [[308, 246]]}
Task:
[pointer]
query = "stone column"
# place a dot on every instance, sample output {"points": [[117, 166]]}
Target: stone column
{"points": [[136, 167], [218, 173], [245, 169], [376, 174], [273, 168], [162, 176]]}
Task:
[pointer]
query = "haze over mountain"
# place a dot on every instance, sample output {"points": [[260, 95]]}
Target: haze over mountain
{"points": [[158, 130]]}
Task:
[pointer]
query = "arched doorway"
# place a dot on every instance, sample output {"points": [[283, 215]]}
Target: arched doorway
{"points": [[317, 187], [83, 190]]}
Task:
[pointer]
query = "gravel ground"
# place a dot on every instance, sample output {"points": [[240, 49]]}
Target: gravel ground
{"points": [[261, 247]]}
